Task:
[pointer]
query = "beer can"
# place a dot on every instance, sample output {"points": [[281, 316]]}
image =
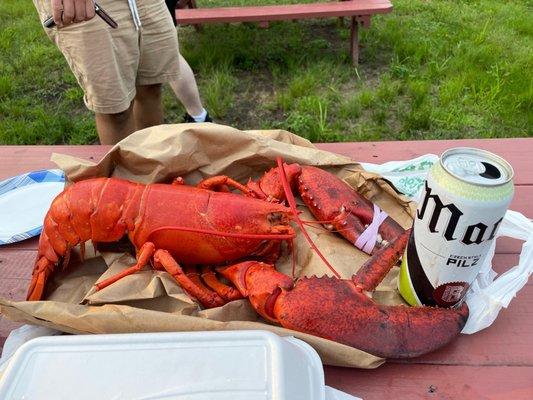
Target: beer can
{"points": [[465, 197]]}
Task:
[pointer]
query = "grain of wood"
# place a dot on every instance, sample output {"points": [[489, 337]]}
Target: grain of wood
{"points": [[435, 382]]}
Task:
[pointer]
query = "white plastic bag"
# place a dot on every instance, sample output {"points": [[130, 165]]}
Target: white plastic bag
{"points": [[406, 176], [487, 295]]}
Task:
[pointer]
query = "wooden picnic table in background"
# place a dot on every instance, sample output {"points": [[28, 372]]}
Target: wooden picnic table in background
{"points": [[496, 363], [359, 13]]}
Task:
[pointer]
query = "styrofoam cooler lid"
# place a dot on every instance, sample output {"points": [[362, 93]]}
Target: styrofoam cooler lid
{"points": [[226, 365]]}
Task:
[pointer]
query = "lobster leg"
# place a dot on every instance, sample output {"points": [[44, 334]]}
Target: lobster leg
{"points": [[143, 257], [228, 293], [221, 183], [191, 285]]}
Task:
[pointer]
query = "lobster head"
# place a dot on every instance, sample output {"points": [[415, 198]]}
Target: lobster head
{"points": [[200, 226]]}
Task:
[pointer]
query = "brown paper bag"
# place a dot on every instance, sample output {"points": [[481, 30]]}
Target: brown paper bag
{"points": [[151, 301]]}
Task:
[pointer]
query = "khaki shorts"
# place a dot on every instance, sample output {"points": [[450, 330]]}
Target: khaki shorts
{"points": [[109, 63]]}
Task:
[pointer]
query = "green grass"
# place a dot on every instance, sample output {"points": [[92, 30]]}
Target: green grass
{"points": [[429, 70]]}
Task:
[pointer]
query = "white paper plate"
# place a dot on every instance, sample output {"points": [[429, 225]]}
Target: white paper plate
{"points": [[24, 201]]}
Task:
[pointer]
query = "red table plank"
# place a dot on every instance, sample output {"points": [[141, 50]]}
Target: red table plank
{"points": [[15, 160], [506, 342], [380, 152], [445, 382], [522, 200], [15, 264]]}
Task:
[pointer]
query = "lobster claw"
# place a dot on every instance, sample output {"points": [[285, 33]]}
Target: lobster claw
{"points": [[330, 200], [337, 310], [270, 187], [340, 310], [260, 282]]}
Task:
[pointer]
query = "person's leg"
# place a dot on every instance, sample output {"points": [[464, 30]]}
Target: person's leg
{"points": [[185, 87], [148, 107], [105, 63], [112, 128], [186, 90]]}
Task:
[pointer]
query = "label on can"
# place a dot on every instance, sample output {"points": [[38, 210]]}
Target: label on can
{"points": [[462, 205]]}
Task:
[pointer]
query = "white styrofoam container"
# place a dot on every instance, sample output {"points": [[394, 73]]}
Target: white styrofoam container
{"points": [[221, 365]]}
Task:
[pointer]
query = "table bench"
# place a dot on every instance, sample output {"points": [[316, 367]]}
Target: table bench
{"points": [[496, 363], [359, 11]]}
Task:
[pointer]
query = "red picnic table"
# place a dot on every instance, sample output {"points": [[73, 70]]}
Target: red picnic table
{"points": [[496, 363]]}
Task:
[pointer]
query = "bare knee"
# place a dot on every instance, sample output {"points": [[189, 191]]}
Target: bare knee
{"points": [[112, 128], [148, 92], [117, 118]]}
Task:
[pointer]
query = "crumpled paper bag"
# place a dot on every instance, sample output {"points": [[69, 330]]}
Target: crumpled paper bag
{"points": [[151, 301]]}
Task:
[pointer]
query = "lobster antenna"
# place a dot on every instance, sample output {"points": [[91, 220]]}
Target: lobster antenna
{"points": [[292, 204], [308, 221], [310, 225], [272, 236]]}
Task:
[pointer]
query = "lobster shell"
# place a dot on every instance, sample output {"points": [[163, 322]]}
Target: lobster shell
{"points": [[181, 219]]}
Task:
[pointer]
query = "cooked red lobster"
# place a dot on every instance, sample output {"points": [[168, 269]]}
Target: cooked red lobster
{"points": [[178, 225]]}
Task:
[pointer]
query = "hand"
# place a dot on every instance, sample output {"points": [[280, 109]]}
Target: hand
{"points": [[66, 12]]}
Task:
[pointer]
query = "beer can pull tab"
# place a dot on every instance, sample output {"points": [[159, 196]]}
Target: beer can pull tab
{"points": [[463, 166]]}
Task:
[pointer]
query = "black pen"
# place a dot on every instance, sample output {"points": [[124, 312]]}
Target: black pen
{"points": [[49, 22]]}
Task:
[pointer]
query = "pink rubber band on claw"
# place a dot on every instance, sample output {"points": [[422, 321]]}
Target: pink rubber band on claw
{"points": [[367, 241]]}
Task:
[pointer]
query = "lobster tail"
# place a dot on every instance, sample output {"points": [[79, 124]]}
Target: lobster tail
{"points": [[44, 266], [52, 248], [77, 215]]}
